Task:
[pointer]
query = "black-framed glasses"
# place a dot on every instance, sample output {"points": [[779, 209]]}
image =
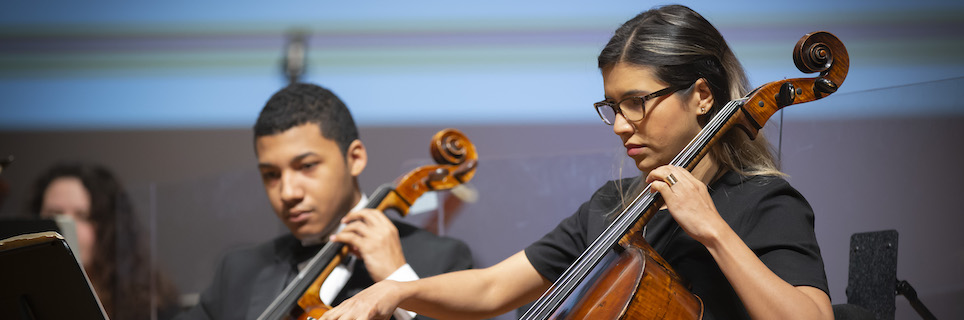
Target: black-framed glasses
{"points": [[632, 108]]}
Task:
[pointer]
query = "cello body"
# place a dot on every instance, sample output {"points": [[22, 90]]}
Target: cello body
{"points": [[635, 283]]}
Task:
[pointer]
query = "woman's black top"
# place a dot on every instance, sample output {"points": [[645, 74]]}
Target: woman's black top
{"points": [[772, 218]]}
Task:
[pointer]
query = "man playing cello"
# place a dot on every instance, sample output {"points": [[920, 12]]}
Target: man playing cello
{"points": [[310, 156]]}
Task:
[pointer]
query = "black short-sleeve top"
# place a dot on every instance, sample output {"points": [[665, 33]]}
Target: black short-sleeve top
{"points": [[772, 218]]}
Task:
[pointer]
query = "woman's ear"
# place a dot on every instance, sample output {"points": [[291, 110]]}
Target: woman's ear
{"points": [[703, 96]]}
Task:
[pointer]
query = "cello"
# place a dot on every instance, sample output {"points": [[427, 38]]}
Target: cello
{"points": [[456, 160], [619, 275]]}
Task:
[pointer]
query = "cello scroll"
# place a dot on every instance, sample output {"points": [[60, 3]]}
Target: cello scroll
{"points": [[820, 52], [457, 160]]}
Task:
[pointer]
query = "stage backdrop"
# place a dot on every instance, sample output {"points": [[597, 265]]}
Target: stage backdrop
{"points": [[165, 95]]}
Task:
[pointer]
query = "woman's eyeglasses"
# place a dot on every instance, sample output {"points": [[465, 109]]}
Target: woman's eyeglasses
{"points": [[632, 108]]}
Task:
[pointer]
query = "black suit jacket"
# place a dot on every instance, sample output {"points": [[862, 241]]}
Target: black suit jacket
{"points": [[247, 280]]}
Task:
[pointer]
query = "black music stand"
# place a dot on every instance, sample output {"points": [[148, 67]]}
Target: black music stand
{"points": [[15, 227], [872, 278], [42, 280]]}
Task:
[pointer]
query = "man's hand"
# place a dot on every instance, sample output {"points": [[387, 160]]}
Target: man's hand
{"points": [[371, 236]]}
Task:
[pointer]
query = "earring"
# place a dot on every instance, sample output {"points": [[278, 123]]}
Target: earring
{"points": [[702, 110]]}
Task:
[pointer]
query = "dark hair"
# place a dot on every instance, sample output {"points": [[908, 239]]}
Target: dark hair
{"points": [[302, 103], [680, 46], [122, 275]]}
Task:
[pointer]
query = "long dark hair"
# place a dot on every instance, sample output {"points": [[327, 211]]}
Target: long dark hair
{"points": [[122, 275]]}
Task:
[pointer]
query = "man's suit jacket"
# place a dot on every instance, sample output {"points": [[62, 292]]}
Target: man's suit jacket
{"points": [[248, 280]]}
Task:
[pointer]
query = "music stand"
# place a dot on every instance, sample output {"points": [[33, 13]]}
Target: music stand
{"points": [[42, 280]]}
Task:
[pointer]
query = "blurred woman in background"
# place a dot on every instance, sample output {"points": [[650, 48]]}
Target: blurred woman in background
{"points": [[112, 249]]}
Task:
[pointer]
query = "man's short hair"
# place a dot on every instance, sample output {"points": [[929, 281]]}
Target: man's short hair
{"points": [[303, 103]]}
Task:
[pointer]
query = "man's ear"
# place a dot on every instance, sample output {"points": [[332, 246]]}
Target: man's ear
{"points": [[703, 96], [357, 157]]}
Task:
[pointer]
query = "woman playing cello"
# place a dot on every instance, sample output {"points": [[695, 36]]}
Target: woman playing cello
{"points": [[733, 228]]}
